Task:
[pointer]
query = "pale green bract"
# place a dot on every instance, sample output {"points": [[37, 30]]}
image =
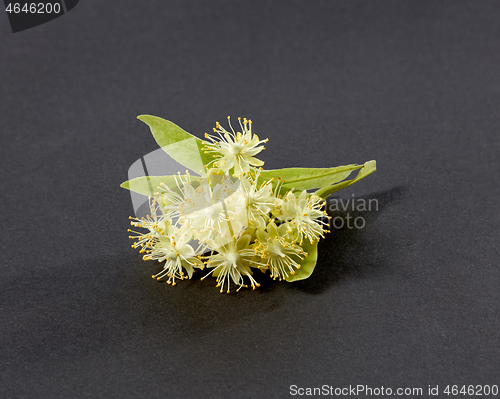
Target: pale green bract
{"points": [[308, 264], [231, 215]]}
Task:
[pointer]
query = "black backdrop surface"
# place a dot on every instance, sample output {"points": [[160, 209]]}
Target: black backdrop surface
{"points": [[410, 300]]}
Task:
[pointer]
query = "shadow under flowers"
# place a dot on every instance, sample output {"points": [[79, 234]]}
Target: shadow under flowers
{"points": [[351, 248]]}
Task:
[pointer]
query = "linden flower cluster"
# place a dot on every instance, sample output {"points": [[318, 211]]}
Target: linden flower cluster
{"points": [[230, 221]]}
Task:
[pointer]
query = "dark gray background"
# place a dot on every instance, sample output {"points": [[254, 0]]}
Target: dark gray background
{"points": [[411, 300]]}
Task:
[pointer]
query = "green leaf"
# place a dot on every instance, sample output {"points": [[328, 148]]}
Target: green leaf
{"points": [[309, 178], [308, 264], [179, 144], [368, 168], [148, 185]]}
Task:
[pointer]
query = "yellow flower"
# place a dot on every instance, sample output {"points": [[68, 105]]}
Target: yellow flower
{"points": [[304, 216], [175, 251], [233, 262], [235, 149], [259, 200], [156, 223], [281, 255]]}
